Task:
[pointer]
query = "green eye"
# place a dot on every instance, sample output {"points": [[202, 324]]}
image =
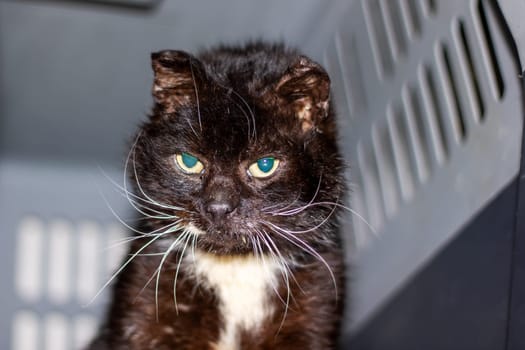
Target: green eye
{"points": [[189, 164], [263, 167]]}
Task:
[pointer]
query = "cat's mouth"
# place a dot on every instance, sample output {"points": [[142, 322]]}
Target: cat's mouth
{"points": [[225, 244], [223, 239]]}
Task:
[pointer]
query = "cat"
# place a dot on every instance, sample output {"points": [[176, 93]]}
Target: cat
{"points": [[239, 184]]}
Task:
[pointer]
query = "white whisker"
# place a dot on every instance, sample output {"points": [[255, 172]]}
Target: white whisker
{"points": [[135, 201], [290, 237], [124, 266], [298, 210], [177, 274], [162, 205], [196, 95], [283, 260], [252, 132], [129, 226], [324, 221], [265, 266], [284, 273], [126, 240], [191, 127], [335, 204], [152, 275], [125, 183], [267, 209], [168, 251]]}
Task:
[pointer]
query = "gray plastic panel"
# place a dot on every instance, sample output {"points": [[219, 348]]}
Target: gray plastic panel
{"points": [[56, 239], [431, 115]]}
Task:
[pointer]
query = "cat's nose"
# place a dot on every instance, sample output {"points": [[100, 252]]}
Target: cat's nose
{"points": [[219, 209], [222, 198], [221, 203]]}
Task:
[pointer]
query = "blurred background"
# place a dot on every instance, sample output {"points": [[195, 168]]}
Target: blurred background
{"points": [[429, 96]]}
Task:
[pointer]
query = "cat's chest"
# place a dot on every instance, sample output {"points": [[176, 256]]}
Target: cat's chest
{"points": [[243, 287]]}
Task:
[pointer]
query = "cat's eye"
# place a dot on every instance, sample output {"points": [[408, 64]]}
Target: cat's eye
{"points": [[188, 163], [263, 167]]}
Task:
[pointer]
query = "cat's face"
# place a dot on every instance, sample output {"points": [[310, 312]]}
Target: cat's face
{"points": [[243, 162]]}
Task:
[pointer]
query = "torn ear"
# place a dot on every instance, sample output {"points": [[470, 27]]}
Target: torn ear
{"points": [[176, 78], [305, 87]]}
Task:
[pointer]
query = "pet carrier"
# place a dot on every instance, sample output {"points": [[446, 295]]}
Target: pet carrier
{"points": [[430, 103]]}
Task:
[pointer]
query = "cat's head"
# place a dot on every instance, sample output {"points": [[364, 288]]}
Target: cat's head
{"points": [[240, 150]]}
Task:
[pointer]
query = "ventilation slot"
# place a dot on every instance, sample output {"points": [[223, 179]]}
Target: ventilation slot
{"points": [[348, 58], [88, 266], [60, 261], [401, 151], [26, 332], [416, 135], [433, 114], [85, 328], [414, 15], [472, 82], [362, 229], [432, 7], [378, 38], [385, 163], [116, 248], [497, 79], [450, 84], [332, 65], [29, 262], [56, 332], [371, 186], [394, 25]]}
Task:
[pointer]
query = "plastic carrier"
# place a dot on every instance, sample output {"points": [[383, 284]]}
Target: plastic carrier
{"points": [[429, 103]]}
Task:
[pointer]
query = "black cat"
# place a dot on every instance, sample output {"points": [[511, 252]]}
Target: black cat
{"points": [[239, 182]]}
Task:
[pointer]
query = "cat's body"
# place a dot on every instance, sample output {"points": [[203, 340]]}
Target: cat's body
{"points": [[239, 180]]}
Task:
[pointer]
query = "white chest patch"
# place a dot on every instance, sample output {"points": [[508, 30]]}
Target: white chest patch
{"points": [[243, 286]]}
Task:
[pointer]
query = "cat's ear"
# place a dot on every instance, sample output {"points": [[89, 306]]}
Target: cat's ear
{"points": [[176, 76], [305, 87]]}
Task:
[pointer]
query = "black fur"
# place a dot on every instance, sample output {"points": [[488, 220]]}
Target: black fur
{"points": [[231, 106]]}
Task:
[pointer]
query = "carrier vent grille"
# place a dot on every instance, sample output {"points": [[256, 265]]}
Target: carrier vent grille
{"points": [[59, 268], [430, 116], [427, 96]]}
